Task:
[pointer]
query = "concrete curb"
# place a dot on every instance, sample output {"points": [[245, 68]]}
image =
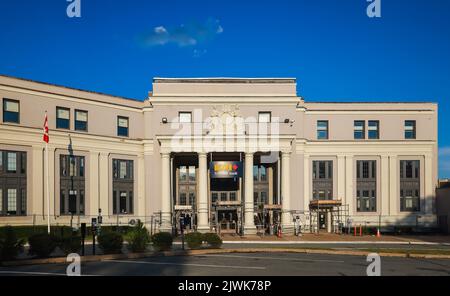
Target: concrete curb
{"points": [[99, 258]]}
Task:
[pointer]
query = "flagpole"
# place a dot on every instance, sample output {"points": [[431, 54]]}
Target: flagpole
{"points": [[46, 139], [48, 188]]}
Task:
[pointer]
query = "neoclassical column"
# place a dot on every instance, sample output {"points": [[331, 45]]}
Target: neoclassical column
{"points": [[286, 218], [166, 223], [203, 225], [249, 225]]}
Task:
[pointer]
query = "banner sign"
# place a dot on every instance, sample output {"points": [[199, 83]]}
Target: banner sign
{"points": [[225, 169]]}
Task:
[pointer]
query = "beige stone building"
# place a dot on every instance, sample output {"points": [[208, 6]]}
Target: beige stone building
{"points": [[227, 154]]}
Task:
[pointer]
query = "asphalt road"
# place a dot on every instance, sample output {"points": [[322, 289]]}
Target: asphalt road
{"points": [[256, 264]]}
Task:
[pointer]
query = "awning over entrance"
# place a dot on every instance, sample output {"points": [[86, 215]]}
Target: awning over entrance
{"points": [[324, 204]]}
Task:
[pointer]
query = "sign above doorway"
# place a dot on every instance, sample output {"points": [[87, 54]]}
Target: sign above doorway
{"points": [[225, 169]]}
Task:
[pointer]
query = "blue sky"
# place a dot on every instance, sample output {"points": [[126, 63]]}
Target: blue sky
{"points": [[334, 50]]}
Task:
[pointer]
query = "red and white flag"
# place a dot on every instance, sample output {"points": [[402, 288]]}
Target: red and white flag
{"points": [[46, 136]]}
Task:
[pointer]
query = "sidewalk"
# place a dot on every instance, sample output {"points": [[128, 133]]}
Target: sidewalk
{"points": [[331, 238]]}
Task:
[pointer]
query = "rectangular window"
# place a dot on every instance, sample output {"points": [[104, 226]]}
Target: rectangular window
{"points": [[192, 177], [264, 117], [11, 111], [183, 199], [183, 173], [23, 204], [374, 129], [185, 117], [359, 130], [1, 162], [322, 129], [366, 186], [191, 198], [11, 162], [81, 120], [122, 169], [12, 202], [72, 184], [1, 201], [410, 129], [322, 179], [62, 118], [122, 126], [410, 185], [123, 186]]}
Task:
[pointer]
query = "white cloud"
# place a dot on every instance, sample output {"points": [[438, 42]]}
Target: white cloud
{"points": [[184, 35], [160, 30]]}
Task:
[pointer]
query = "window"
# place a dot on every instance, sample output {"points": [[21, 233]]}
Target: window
{"points": [[409, 185], [359, 130], [122, 169], [322, 179], [192, 177], [12, 202], [11, 165], [322, 129], [11, 111], [123, 186], [72, 184], [13, 183], [183, 200], [81, 119], [374, 129], [62, 118], [183, 173], [410, 129], [185, 117], [264, 117], [122, 126], [366, 186]]}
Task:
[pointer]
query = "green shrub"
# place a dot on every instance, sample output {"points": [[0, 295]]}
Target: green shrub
{"points": [[194, 240], [214, 241], [138, 238], [110, 242], [10, 246], [162, 241], [42, 244], [70, 244]]}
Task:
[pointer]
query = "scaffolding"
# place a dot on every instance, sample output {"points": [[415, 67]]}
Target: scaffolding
{"points": [[331, 215]]}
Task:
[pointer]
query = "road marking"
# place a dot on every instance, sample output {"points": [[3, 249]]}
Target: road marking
{"points": [[186, 264], [31, 273], [273, 258], [36, 273]]}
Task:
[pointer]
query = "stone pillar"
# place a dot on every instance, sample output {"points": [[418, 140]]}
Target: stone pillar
{"points": [[286, 218], [384, 185], [166, 223], [249, 226], [429, 186], [350, 198], [394, 192], [203, 225]]}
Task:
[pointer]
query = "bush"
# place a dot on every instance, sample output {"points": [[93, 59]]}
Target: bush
{"points": [[42, 244], [110, 242], [194, 240], [162, 241], [70, 244], [10, 246], [214, 241], [138, 238]]}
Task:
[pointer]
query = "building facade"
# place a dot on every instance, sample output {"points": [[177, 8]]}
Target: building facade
{"points": [[226, 154]]}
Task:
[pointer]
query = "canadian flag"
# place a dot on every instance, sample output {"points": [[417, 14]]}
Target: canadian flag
{"points": [[46, 137]]}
